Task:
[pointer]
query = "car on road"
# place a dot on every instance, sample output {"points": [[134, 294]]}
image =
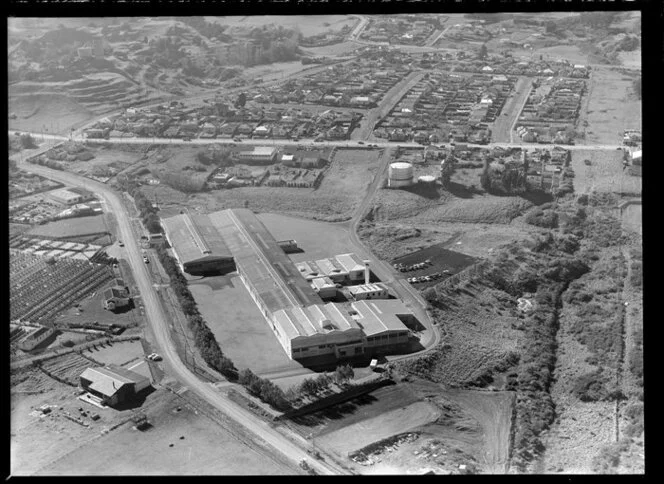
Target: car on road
{"points": [[154, 357], [145, 259], [186, 138], [360, 142]]}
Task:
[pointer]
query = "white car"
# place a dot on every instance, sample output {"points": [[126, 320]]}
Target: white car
{"points": [[154, 357]]}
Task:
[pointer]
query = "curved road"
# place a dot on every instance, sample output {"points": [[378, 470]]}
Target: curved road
{"points": [[156, 318]]}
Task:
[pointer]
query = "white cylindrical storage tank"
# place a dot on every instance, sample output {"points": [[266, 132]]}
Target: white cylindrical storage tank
{"points": [[426, 179], [400, 175]]}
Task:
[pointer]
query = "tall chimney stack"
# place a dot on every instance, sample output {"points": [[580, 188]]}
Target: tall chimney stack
{"points": [[367, 272]]}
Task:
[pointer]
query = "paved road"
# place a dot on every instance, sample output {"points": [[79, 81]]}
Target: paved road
{"points": [[157, 319], [503, 126], [323, 144]]}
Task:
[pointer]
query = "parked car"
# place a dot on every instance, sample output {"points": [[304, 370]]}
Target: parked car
{"points": [[120, 243], [145, 259], [360, 142], [154, 357]]}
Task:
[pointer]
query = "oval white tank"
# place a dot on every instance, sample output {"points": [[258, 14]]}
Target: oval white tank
{"points": [[400, 174], [426, 179]]}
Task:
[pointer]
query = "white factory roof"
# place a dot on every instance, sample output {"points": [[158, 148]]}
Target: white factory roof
{"points": [[350, 262], [264, 150], [367, 288], [322, 282], [312, 320], [636, 155], [374, 317]]}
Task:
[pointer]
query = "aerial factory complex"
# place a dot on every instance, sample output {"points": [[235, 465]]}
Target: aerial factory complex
{"points": [[304, 324]]}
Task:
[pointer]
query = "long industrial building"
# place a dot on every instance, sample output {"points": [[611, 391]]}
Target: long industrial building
{"points": [[197, 245], [304, 324]]}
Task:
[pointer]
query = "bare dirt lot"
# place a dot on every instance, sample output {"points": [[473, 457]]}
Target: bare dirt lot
{"points": [[445, 428], [239, 326], [121, 353], [605, 173], [612, 106]]}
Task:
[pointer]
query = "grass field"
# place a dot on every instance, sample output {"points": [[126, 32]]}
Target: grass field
{"points": [[405, 206], [179, 442], [73, 227], [604, 174], [316, 239], [54, 111], [239, 326], [612, 106]]}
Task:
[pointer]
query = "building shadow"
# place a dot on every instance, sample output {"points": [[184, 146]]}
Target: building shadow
{"points": [[125, 309], [537, 197], [136, 401], [460, 191]]}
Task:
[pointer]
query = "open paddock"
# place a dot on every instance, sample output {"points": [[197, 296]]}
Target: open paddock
{"points": [[316, 239], [178, 442], [238, 325], [72, 227], [612, 106], [605, 173]]}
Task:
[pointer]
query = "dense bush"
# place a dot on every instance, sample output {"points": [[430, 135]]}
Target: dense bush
{"points": [[636, 278], [542, 218], [590, 387], [263, 389]]}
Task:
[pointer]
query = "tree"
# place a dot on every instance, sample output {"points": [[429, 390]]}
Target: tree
{"points": [[483, 52], [241, 100], [27, 141]]}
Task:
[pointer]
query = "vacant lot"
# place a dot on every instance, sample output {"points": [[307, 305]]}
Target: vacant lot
{"points": [[392, 240], [316, 239], [604, 174], [238, 325], [451, 427], [179, 442], [106, 160], [359, 435], [612, 106], [73, 227], [572, 53], [447, 207], [344, 184], [116, 353]]}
